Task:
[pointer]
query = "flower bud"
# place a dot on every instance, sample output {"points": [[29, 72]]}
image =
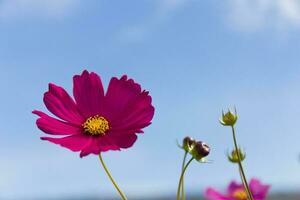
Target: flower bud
{"points": [[200, 150], [229, 119], [187, 143], [234, 158]]}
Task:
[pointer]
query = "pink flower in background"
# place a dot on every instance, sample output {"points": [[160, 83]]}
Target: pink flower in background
{"points": [[95, 121], [236, 191]]}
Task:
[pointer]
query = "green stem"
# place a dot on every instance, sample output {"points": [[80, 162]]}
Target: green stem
{"points": [[244, 184], [181, 177], [111, 178], [182, 182], [242, 173]]}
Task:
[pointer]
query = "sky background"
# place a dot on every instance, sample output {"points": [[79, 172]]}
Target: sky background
{"points": [[196, 57]]}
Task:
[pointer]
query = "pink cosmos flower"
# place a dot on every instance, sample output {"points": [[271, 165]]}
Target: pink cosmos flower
{"points": [[236, 191], [95, 121]]}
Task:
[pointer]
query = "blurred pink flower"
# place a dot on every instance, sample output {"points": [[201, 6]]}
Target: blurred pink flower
{"points": [[236, 191], [96, 122]]}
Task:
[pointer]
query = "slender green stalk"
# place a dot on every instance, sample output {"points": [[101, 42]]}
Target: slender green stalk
{"points": [[181, 177], [111, 178], [242, 173], [182, 182], [244, 184]]}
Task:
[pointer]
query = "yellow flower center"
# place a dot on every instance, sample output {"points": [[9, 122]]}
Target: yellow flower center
{"points": [[240, 194], [96, 125]]}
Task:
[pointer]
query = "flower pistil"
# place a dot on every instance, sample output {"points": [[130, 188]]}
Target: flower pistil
{"points": [[96, 125], [240, 195]]}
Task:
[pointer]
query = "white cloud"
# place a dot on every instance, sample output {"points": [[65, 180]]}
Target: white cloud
{"points": [[242, 15], [255, 15], [164, 11], [18, 9], [290, 9]]}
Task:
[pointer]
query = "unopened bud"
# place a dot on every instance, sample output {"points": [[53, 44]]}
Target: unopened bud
{"points": [[229, 118], [187, 143], [236, 155], [200, 150]]}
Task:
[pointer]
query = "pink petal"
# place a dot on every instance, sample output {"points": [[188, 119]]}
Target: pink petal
{"points": [[72, 142], [123, 141], [97, 145], [137, 115], [88, 93], [141, 121], [259, 190], [212, 194], [53, 126], [58, 101], [127, 106], [120, 92], [233, 187]]}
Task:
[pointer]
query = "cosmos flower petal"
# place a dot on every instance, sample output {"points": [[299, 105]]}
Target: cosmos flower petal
{"points": [[128, 90], [97, 145], [53, 126], [88, 93], [141, 121], [136, 115], [135, 109], [233, 187], [258, 189], [137, 106], [124, 141], [212, 194], [58, 101], [72, 142]]}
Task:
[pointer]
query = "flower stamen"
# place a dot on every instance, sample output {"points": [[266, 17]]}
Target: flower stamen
{"points": [[240, 195], [96, 125]]}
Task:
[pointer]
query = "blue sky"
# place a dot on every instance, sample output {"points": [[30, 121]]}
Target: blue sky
{"points": [[195, 57]]}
